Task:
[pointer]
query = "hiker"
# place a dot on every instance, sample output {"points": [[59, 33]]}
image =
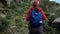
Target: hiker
{"points": [[35, 16]]}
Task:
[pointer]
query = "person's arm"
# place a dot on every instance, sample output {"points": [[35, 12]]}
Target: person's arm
{"points": [[28, 15], [43, 14]]}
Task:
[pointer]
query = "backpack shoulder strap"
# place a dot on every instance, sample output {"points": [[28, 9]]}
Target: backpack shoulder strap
{"points": [[43, 14], [28, 14]]}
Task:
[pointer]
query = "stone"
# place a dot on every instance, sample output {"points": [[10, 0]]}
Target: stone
{"points": [[57, 20]]}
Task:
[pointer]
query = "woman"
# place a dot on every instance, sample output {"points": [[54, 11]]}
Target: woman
{"points": [[35, 22]]}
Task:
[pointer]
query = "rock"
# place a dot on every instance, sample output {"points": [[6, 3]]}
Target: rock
{"points": [[8, 2], [17, 33], [57, 20], [3, 15], [56, 24], [52, 14]]}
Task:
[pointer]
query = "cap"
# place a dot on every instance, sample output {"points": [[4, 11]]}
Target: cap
{"points": [[36, 2]]}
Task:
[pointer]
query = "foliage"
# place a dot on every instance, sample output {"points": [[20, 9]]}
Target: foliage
{"points": [[3, 24], [49, 29], [17, 12]]}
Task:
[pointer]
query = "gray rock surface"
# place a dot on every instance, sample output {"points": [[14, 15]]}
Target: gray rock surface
{"points": [[57, 20]]}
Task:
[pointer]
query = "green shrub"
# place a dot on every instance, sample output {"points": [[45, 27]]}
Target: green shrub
{"points": [[49, 29], [3, 24]]}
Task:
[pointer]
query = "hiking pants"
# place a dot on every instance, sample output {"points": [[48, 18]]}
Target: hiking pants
{"points": [[36, 30]]}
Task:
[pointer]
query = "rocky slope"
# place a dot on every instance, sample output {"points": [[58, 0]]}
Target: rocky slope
{"points": [[12, 17]]}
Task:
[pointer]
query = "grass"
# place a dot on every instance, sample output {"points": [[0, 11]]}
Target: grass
{"points": [[17, 17]]}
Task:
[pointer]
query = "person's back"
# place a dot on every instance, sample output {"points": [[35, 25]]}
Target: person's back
{"points": [[35, 16]]}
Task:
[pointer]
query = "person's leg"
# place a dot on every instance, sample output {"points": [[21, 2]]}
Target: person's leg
{"points": [[40, 30], [32, 30]]}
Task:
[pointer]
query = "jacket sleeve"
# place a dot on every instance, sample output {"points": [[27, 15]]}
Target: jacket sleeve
{"points": [[43, 14], [28, 15]]}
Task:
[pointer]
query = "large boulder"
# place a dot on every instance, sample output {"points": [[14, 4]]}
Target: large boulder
{"points": [[56, 23], [57, 20]]}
